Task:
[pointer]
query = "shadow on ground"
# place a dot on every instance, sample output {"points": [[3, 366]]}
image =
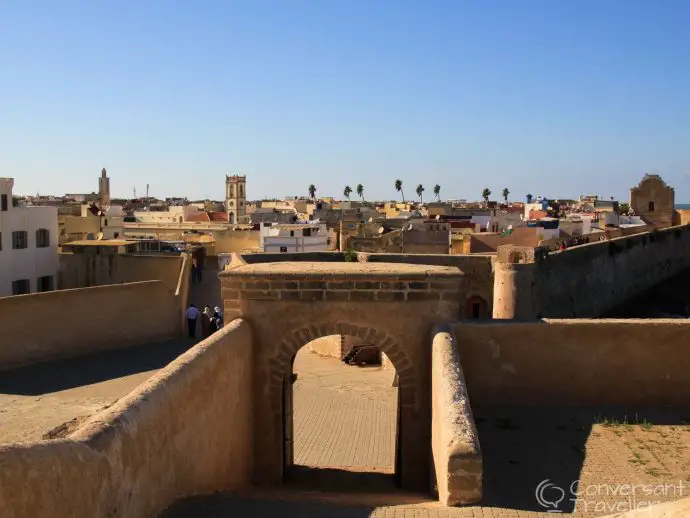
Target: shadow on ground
{"points": [[44, 378], [224, 505], [521, 447]]}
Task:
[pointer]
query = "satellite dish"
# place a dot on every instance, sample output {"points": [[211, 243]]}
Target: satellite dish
{"points": [[438, 216], [90, 236], [371, 220], [99, 236], [381, 230], [409, 226], [510, 227]]}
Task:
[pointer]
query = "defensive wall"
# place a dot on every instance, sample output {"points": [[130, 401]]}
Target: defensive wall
{"points": [[83, 270], [579, 362], [58, 324], [187, 430], [586, 280]]}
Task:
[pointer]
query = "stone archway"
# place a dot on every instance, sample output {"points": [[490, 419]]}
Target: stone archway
{"points": [[281, 393], [392, 306]]}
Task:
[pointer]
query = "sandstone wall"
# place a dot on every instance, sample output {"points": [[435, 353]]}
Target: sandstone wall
{"points": [[83, 270], [589, 280], [454, 439], [235, 241], [44, 326], [187, 430], [635, 363]]}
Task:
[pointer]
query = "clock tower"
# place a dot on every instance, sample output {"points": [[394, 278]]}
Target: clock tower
{"points": [[235, 198]]}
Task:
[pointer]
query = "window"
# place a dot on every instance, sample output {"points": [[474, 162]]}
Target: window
{"points": [[651, 206], [20, 239], [21, 287], [306, 232], [44, 283], [3, 202], [292, 233], [42, 238], [283, 249], [105, 222]]}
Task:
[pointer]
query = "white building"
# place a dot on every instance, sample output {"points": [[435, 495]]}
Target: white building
{"points": [[28, 245], [286, 238]]}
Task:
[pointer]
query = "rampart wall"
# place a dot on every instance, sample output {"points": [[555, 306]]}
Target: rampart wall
{"points": [[587, 280], [629, 363], [188, 430], [59, 324]]}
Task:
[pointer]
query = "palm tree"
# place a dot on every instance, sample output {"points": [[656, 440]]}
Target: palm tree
{"points": [[360, 191], [485, 194], [437, 192], [505, 194], [347, 192], [398, 187], [312, 192], [420, 192]]}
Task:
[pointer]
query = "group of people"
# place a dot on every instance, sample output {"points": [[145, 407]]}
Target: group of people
{"points": [[211, 320]]}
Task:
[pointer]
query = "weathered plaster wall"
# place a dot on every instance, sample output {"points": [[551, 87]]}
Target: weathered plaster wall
{"points": [[64, 323], [83, 270], [185, 431], [588, 280], [235, 241], [454, 439], [637, 363]]}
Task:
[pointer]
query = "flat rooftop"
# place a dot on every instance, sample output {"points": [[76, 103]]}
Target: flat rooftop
{"points": [[344, 269], [100, 242]]}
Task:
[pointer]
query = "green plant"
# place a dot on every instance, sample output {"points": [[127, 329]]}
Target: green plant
{"points": [[350, 256]]}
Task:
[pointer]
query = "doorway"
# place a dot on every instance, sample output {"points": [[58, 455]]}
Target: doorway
{"points": [[340, 420]]}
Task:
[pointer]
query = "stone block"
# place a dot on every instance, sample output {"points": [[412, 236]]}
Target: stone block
{"points": [[340, 285], [311, 295], [422, 295], [260, 295], [284, 285], [312, 285], [337, 295], [362, 296], [227, 294], [389, 296], [257, 285], [367, 285], [290, 295], [418, 285]]}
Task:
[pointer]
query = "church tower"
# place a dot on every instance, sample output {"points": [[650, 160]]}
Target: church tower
{"points": [[104, 188], [235, 198]]}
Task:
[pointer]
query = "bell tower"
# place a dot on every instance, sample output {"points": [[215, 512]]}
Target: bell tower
{"points": [[235, 198]]}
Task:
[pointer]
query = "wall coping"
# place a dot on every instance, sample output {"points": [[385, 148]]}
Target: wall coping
{"points": [[578, 322], [329, 270]]}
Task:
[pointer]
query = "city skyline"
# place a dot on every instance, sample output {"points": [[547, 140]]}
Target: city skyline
{"points": [[566, 99]]}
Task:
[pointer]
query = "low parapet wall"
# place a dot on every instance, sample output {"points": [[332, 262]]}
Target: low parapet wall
{"points": [[188, 430], [454, 439], [59, 324], [587, 280], [629, 363]]}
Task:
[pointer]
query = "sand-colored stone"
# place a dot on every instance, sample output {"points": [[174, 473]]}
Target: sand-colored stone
{"points": [[454, 439]]}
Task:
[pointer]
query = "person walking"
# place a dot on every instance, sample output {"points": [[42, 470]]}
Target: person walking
{"points": [[193, 315], [206, 320]]}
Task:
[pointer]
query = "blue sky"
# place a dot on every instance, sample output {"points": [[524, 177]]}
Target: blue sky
{"points": [[552, 97]]}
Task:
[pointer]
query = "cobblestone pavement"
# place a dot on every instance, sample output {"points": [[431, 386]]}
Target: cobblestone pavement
{"points": [[344, 416], [37, 399], [344, 437]]}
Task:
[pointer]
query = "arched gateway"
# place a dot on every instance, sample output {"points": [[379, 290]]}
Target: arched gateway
{"points": [[392, 306]]}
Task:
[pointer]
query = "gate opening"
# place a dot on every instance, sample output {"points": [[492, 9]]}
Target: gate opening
{"points": [[341, 422]]}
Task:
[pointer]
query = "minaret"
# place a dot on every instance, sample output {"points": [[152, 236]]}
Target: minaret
{"points": [[104, 188], [235, 198]]}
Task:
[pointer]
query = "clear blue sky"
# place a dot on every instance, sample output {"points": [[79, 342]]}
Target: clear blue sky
{"points": [[552, 97]]}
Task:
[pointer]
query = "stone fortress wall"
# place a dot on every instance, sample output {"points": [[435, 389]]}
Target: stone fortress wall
{"points": [[59, 324], [587, 280], [187, 430]]}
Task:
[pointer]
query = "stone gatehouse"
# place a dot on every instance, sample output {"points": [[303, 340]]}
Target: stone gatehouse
{"points": [[392, 306]]}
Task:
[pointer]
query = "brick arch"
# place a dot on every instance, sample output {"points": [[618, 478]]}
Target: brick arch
{"points": [[294, 340]]}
